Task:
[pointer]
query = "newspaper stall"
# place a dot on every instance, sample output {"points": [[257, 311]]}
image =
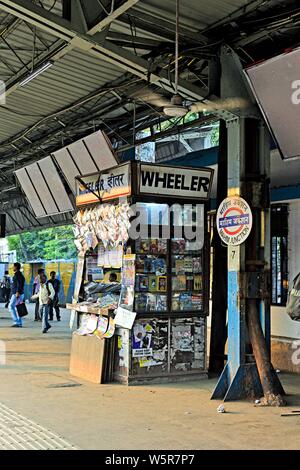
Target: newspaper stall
{"points": [[142, 285]]}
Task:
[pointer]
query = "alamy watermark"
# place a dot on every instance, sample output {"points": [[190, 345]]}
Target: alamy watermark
{"points": [[296, 353], [296, 93], [165, 222], [2, 353], [2, 93]]}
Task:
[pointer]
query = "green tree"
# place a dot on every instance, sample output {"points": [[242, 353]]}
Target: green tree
{"points": [[48, 244], [215, 137]]}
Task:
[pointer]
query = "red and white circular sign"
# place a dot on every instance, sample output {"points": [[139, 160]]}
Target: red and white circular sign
{"points": [[234, 220]]}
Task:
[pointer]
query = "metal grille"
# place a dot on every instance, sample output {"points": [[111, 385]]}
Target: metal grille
{"points": [[20, 433]]}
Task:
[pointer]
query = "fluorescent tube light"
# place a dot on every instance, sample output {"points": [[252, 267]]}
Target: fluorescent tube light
{"points": [[11, 188], [36, 72]]}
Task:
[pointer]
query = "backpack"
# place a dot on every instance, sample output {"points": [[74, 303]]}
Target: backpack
{"points": [[293, 301]]}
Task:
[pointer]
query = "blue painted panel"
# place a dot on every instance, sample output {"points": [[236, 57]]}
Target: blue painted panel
{"points": [[127, 155], [285, 193], [209, 157], [206, 157], [234, 326]]}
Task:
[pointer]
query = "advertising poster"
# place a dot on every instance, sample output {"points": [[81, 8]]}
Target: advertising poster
{"points": [[79, 276], [128, 282], [142, 340]]}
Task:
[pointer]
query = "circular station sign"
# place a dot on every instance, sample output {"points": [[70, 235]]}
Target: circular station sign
{"points": [[234, 220]]}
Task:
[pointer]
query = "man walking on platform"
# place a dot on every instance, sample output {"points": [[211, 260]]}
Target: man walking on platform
{"points": [[55, 303], [36, 289], [45, 295], [17, 294]]}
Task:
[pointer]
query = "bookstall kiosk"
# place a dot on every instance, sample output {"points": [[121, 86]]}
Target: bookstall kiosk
{"points": [[146, 224]]}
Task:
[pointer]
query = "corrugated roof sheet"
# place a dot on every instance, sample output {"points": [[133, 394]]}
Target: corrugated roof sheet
{"points": [[78, 73], [71, 78], [195, 14]]}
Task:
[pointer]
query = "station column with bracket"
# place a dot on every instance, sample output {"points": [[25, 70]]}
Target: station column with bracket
{"points": [[248, 146]]}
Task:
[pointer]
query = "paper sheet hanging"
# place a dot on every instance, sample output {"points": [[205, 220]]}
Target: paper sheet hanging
{"points": [[124, 318]]}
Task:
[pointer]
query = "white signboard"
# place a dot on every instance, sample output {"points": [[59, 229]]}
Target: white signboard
{"points": [[142, 352], [175, 182], [234, 220], [112, 184], [276, 86]]}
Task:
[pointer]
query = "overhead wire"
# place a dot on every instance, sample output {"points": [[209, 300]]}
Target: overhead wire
{"points": [[233, 14], [285, 13]]}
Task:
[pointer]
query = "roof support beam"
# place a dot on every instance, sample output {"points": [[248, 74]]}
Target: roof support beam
{"points": [[138, 41], [185, 144], [77, 17], [104, 23], [95, 45]]}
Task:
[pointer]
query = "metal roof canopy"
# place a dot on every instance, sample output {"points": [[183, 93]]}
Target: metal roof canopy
{"points": [[42, 184], [100, 60], [44, 189], [91, 154]]}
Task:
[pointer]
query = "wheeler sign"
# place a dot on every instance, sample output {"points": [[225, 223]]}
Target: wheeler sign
{"points": [[176, 182]]}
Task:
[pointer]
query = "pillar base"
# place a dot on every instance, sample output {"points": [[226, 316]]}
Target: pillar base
{"points": [[242, 384]]}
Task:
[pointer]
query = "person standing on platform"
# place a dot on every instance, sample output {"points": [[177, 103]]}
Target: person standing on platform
{"points": [[36, 289], [45, 296], [17, 295], [6, 288], [55, 303]]}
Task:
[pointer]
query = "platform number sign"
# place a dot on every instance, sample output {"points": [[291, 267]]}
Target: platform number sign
{"points": [[234, 220]]}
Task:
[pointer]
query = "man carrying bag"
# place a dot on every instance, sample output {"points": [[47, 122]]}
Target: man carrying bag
{"points": [[17, 295]]}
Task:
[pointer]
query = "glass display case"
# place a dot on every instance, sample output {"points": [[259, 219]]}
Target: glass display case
{"points": [[169, 271], [168, 338]]}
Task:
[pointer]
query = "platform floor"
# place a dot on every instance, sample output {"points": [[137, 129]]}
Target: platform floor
{"points": [[42, 406]]}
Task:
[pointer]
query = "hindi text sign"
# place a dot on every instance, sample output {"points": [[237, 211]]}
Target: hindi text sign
{"points": [[111, 184], [234, 220]]}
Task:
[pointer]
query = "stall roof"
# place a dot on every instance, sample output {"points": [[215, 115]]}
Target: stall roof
{"points": [[102, 62]]}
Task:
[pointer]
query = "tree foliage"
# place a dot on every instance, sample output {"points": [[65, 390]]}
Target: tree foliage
{"points": [[176, 121], [48, 244], [215, 137]]}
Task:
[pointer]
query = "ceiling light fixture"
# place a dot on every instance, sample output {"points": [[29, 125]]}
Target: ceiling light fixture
{"points": [[36, 72], [176, 108], [6, 190]]}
